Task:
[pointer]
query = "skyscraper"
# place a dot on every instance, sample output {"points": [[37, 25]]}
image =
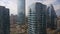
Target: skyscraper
{"points": [[4, 20], [21, 11], [37, 19], [52, 17]]}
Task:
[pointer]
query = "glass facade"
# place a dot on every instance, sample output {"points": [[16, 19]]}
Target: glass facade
{"points": [[4, 20], [37, 19], [21, 11], [52, 17]]}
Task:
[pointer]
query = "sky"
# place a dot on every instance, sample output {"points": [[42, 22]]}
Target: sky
{"points": [[12, 4]]}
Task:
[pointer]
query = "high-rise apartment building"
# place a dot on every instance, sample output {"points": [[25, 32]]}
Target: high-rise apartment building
{"points": [[4, 20], [37, 19], [21, 12]]}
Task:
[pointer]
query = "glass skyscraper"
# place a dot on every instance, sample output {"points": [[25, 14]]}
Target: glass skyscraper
{"points": [[21, 11], [37, 19], [52, 17], [4, 20]]}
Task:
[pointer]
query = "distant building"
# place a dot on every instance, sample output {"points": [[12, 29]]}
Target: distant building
{"points": [[4, 20], [21, 12], [13, 20], [52, 17], [58, 22], [37, 19]]}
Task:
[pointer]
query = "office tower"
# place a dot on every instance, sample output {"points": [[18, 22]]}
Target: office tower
{"points": [[21, 11], [52, 17], [37, 19], [4, 20]]}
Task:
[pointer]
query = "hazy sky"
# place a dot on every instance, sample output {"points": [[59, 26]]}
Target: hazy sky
{"points": [[12, 4]]}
